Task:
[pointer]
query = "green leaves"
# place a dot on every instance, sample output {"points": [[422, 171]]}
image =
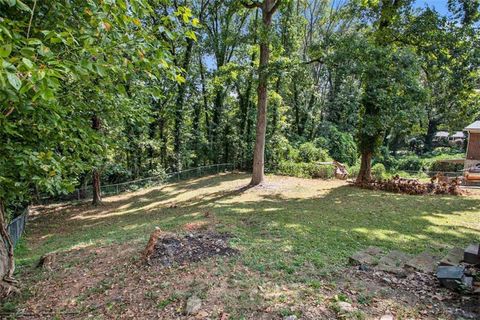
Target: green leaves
{"points": [[5, 50], [14, 80]]}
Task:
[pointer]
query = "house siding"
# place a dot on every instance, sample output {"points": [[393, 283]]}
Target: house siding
{"points": [[473, 152]]}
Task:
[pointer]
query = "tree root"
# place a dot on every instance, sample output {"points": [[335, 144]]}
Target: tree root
{"points": [[7, 289]]}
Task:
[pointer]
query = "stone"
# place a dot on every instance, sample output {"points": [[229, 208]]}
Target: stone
{"points": [[292, 317], [453, 257], [393, 263], [424, 262], [374, 251], [451, 277], [387, 317], [193, 305], [345, 307], [472, 254]]}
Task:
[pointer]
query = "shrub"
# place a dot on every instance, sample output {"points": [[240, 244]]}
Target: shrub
{"points": [[308, 152], [384, 157], [353, 171], [445, 166], [379, 171], [305, 170], [411, 163], [279, 149], [340, 145]]}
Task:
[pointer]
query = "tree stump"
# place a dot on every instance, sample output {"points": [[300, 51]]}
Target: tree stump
{"points": [[147, 252]]}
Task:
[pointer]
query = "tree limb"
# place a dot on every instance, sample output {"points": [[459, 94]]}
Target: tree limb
{"points": [[275, 7], [251, 5]]}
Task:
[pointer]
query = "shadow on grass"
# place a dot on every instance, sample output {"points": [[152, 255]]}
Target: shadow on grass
{"points": [[274, 232]]}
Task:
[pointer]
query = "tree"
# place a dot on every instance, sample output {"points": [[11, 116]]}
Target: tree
{"points": [[268, 8], [390, 80], [61, 63]]}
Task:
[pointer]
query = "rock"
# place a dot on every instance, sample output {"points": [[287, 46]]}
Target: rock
{"points": [[387, 317], [345, 307], [393, 263], [472, 254], [193, 305], [374, 251], [292, 317], [424, 262], [368, 256], [451, 277], [453, 257]]}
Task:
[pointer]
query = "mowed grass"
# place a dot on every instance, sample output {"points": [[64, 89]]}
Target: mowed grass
{"points": [[290, 226]]}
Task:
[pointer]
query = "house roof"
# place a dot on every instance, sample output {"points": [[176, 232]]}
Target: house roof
{"points": [[442, 134], [474, 126], [458, 134]]}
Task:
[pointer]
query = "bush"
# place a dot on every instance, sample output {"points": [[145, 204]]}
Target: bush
{"points": [[305, 170], [353, 171], [341, 145], [308, 153], [379, 171], [384, 157], [411, 163], [279, 149], [445, 166]]}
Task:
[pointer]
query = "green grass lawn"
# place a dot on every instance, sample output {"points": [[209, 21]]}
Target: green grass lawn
{"points": [[293, 235], [284, 226]]}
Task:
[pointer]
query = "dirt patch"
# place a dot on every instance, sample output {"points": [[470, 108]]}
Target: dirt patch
{"points": [[419, 289], [172, 249]]}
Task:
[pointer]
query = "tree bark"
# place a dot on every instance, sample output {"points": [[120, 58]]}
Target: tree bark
{"points": [[7, 261], [258, 174], [365, 173], [179, 110], [97, 195], [432, 129]]}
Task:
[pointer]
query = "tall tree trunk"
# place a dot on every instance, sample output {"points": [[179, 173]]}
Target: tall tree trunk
{"points": [[97, 196], [7, 262], [97, 192], [259, 153], [432, 129], [258, 174], [179, 109], [365, 173]]}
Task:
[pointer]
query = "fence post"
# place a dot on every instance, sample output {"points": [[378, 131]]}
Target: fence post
{"points": [[78, 194]]}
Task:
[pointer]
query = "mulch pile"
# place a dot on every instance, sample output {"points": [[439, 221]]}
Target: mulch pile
{"points": [[413, 186], [173, 249]]}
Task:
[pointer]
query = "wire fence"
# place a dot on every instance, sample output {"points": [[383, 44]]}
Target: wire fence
{"points": [[17, 226], [114, 189]]}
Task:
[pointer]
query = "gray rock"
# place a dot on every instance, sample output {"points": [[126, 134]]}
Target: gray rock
{"points": [[193, 305], [424, 262], [368, 256], [292, 317], [345, 307], [387, 317], [393, 263], [453, 257]]}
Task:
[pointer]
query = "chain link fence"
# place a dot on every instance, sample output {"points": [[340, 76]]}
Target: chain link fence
{"points": [[114, 189], [17, 226]]}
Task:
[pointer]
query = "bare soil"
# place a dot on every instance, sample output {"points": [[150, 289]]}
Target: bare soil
{"points": [[172, 249]]}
